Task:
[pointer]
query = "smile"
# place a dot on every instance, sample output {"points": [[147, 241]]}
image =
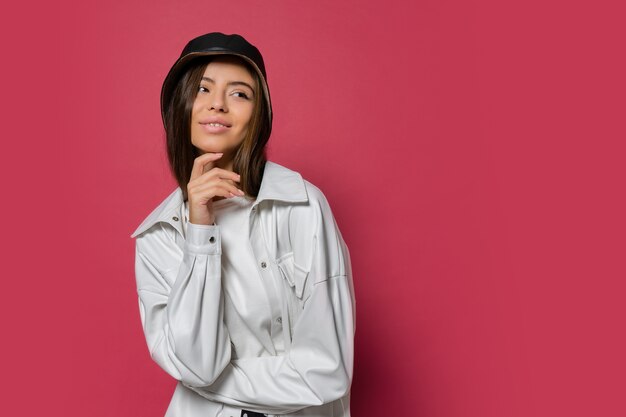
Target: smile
{"points": [[215, 127]]}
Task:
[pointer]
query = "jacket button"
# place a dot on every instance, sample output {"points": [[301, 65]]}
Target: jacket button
{"points": [[279, 320], [212, 239], [175, 218], [263, 264]]}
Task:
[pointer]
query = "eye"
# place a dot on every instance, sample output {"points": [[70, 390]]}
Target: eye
{"points": [[202, 89], [241, 94]]}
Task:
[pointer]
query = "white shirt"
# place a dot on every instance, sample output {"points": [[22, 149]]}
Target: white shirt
{"points": [[254, 326], [304, 268]]}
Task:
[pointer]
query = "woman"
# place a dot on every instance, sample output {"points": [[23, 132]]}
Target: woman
{"points": [[244, 280]]}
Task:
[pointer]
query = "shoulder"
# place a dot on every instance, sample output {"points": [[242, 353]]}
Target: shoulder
{"points": [[278, 179], [289, 193], [314, 192], [169, 211], [316, 197]]}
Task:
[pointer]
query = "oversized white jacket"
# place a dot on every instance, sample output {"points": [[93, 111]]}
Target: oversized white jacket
{"points": [[305, 268]]}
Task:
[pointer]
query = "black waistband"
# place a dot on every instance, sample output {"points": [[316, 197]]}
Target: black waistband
{"points": [[246, 413]]}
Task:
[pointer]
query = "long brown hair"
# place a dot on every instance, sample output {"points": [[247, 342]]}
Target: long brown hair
{"points": [[249, 160]]}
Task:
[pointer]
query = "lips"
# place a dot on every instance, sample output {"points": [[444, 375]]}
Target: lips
{"points": [[214, 122], [214, 125]]}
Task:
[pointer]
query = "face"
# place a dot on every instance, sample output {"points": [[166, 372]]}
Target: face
{"points": [[223, 106]]}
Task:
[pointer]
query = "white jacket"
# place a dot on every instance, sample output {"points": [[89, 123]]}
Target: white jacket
{"points": [[305, 267]]}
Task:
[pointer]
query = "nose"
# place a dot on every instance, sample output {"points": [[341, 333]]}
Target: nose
{"points": [[218, 102]]}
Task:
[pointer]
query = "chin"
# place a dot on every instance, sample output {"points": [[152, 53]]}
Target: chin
{"points": [[209, 146], [214, 149], [205, 149]]}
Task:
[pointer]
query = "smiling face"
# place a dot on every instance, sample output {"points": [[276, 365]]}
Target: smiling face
{"points": [[223, 106]]}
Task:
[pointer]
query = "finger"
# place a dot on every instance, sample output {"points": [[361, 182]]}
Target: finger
{"points": [[222, 184], [231, 182], [200, 162], [223, 174], [203, 197], [235, 191], [208, 190], [220, 192]]}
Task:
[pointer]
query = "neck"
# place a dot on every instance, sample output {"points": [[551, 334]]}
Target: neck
{"points": [[225, 162]]}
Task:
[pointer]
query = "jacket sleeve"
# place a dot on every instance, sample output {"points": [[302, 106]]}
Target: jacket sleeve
{"points": [[317, 368], [181, 302]]}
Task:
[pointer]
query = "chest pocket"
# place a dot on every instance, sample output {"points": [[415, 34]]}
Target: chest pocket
{"points": [[295, 284], [294, 274]]}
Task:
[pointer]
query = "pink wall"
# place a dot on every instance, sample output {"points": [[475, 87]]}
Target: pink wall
{"points": [[472, 151]]}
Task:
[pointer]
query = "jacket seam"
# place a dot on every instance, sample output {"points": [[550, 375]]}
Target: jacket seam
{"points": [[330, 277]]}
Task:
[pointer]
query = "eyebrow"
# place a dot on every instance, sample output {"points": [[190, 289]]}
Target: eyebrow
{"points": [[230, 83]]}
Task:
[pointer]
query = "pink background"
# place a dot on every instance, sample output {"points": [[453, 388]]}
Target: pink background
{"points": [[472, 151]]}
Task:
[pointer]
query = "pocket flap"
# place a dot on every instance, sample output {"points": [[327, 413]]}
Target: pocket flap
{"points": [[295, 275]]}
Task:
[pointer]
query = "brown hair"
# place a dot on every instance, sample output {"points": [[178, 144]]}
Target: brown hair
{"points": [[249, 160]]}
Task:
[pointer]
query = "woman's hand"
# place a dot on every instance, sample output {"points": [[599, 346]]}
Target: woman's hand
{"points": [[207, 182]]}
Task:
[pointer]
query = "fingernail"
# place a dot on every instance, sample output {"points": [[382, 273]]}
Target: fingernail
{"points": [[241, 192]]}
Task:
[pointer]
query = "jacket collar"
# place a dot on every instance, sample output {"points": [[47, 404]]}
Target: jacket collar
{"points": [[279, 183]]}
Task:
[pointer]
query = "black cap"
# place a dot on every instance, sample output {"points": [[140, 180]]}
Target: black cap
{"points": [[215, 43]]}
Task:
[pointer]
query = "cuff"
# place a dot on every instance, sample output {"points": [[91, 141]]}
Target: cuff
{"points": [[203, 239]]}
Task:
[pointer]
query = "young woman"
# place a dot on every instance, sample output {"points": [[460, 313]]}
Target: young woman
{"points": [[244, 281]]}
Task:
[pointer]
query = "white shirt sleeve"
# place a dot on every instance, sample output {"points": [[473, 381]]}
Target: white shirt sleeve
{"points": [[182, 311]]}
